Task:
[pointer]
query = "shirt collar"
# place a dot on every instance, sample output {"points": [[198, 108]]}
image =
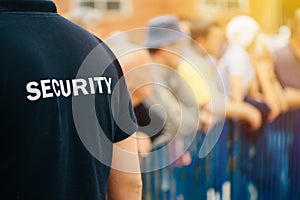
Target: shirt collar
{"points": [[25, 5]]}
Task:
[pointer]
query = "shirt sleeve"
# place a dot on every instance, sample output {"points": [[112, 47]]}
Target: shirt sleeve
{"points": [[238, 62], [126, 123], [181, 118], [124, 117], [122, 120], [196, 82]]}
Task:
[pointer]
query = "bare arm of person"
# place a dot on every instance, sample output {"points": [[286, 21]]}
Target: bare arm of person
{"points": [[292, 96], [206, 120], [236, 110], [263, 68], [244, 112], [125, 178], [144, 143], [283, 102], [254, 90], [236, 86]]}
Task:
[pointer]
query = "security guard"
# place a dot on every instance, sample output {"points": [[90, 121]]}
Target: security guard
{"points": [[47, 151]]}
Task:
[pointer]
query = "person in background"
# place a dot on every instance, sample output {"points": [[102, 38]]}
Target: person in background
{"points": [[139, 79], [139, 75], [287, 60], [242, 75], [206, 50], [287, 65], [252, 74], [200, 72], [210, 36], [235, 66], [52, 146], [248, 69], [287, 68], [166, 43]]}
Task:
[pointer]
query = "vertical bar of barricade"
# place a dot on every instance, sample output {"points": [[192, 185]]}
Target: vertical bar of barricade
{"points": [[279, 140], [158, 178], [271, 171], [165, 187], [217, 162], [294, 155], [250, 164], [236, 160], [200, 169], [158, 181], [177, 181], [195, 184], [264, 168], [190, 178]]}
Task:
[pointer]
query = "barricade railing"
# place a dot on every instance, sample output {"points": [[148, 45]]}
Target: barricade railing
{"points": [[238, 167]]}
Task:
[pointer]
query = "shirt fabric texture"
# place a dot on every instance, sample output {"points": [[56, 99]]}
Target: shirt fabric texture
{"points": [[235, 62], [287, 67], [200, 74], [178, 102]]}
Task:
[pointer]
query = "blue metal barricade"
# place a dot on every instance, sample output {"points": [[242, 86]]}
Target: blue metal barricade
{"points": [[294, 162], [265, 168]]}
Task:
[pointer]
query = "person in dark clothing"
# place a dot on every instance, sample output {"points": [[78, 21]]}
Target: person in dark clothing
{"points": [[52, 147], [287, 68]]}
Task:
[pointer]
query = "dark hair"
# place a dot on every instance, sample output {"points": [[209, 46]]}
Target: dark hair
{"points": [[153, 51], [201, 27]]}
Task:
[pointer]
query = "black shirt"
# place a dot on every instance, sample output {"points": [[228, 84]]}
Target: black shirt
{"points": [[43, 155], [144, 120]]}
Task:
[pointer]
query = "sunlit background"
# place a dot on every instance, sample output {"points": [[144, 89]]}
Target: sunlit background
{"points": [[105, 16]]}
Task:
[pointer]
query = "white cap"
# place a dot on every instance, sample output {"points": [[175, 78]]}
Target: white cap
{"points": [[242, 30]]}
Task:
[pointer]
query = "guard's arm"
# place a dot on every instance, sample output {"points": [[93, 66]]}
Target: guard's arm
{"points": [[125, 178]]}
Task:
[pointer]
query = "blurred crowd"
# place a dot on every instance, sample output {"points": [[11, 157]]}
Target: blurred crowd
{"points": [[217, 108]]}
